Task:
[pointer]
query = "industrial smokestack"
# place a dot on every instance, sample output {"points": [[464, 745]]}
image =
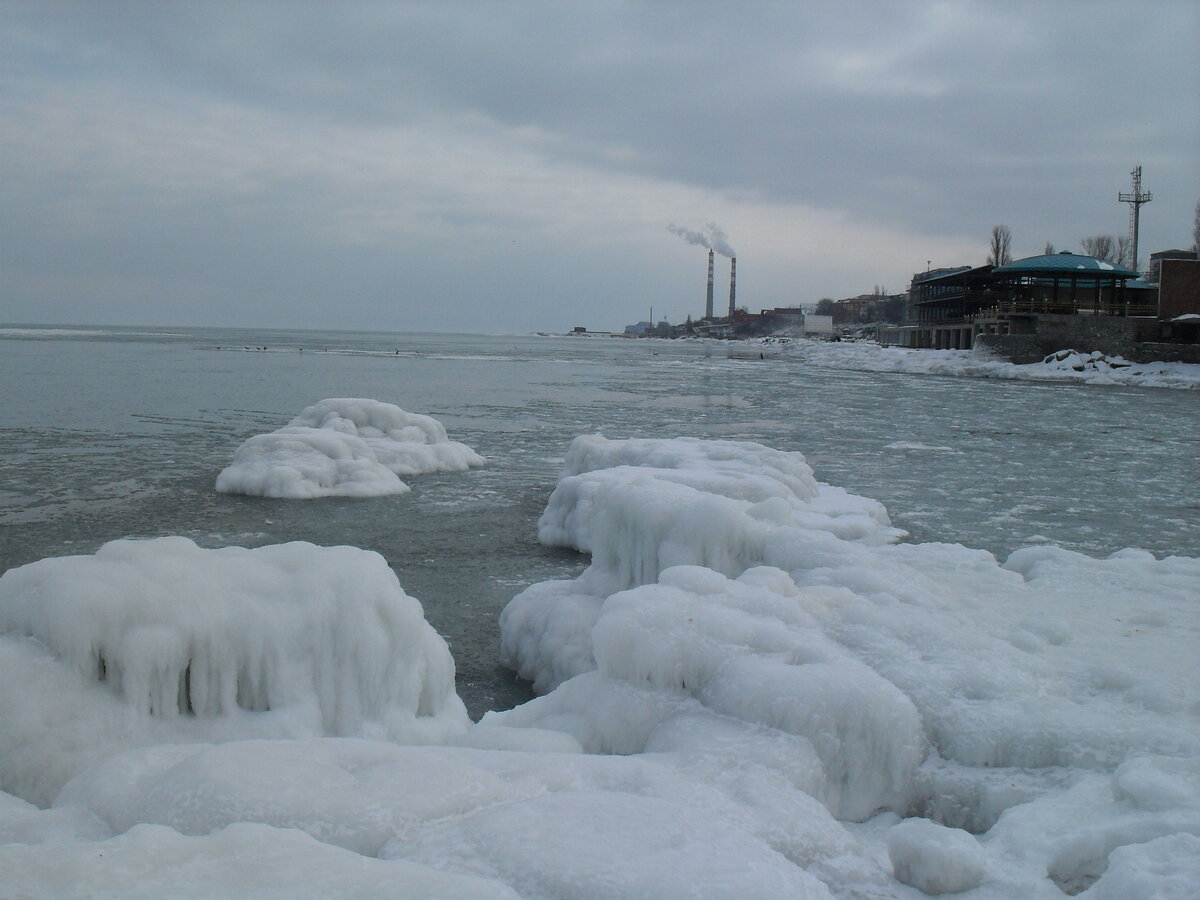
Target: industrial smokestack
{"points": [[708, 303], [732, 283]]}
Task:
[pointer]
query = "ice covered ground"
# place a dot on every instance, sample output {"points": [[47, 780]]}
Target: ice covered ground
{"points": [[1086, 367], [344, 447], [756, 690]]}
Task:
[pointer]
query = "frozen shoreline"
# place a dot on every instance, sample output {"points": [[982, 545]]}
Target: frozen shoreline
{"points": [[771, 695], [1074, 367]]}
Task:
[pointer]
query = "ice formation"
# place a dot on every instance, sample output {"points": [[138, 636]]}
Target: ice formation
{"points": [[1088, 367], [157, 641], [757, 688], [929, 680], [344, 448]]}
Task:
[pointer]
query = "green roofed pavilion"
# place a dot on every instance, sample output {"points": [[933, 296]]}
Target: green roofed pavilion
{"points": [[1065, 265]]}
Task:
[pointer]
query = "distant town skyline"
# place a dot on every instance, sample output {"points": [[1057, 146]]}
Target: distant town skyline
{"points": [[538, 166]]}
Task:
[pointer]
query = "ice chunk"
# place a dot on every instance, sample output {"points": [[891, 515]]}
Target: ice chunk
{"points": [[347, 448], [162, 641], [933, 858]]}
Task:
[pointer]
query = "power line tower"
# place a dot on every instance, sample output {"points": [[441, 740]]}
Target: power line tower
{"points": [[1135, 199]]}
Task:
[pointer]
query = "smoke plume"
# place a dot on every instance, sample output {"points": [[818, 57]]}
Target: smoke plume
{"points": [[712, 237]]}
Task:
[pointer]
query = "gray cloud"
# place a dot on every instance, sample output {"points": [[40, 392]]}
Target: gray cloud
{"points": [[306, 163]]}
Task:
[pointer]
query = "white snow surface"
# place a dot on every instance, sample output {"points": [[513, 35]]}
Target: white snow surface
{"points": [[344, 447], [1086, 367], [757, 689]]}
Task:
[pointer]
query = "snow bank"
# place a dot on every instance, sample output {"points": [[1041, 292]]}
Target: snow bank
{"points": [[1089, 367], [344, 448], [158, 641]]}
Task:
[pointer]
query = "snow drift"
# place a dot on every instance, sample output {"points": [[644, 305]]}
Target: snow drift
{"points": [[158, 641], [344, 448]]}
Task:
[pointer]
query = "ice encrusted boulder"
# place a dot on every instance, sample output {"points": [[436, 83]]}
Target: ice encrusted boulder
{"points": [[737, 659], [678, 617], [344, 447], [162, 641], [643, 506]]}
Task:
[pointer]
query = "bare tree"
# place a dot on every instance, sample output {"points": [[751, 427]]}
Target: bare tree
{"points": [[1001, 244], [1101, 246], [1124, 245], [1049, 251]]}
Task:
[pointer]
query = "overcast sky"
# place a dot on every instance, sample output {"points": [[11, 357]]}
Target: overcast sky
{"points": [[516, 167]]}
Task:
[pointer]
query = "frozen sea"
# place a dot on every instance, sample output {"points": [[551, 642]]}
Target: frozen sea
{"points": [[818, 621], [117, 432]]}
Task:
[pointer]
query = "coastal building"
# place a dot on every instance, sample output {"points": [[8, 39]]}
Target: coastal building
{"points": [[1026, 309], [1157, 258]]}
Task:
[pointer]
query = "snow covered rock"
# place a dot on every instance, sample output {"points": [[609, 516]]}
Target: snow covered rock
{"points": [[344, 448], [162, 641]]}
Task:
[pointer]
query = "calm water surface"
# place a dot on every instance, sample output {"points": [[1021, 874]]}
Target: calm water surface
{"points": [[112, 432]]}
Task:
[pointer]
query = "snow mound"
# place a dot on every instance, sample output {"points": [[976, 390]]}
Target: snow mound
{"points": [[162, 641], [933, 858], [344, 448]]}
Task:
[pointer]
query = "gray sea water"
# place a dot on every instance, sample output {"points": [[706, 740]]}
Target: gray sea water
{"points": [[120, 432]]}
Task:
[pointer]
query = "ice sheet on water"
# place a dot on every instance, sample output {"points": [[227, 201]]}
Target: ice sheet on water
{"points": [[344, 447]]}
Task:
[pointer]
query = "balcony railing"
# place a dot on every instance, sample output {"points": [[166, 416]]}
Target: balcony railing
{"points": [[1064, 307]]}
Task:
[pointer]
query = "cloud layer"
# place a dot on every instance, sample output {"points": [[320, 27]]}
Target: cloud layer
{"points": [[499, 167]]}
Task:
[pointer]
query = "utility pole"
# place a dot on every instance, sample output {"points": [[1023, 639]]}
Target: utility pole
{"points": [[1135, 199]]}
